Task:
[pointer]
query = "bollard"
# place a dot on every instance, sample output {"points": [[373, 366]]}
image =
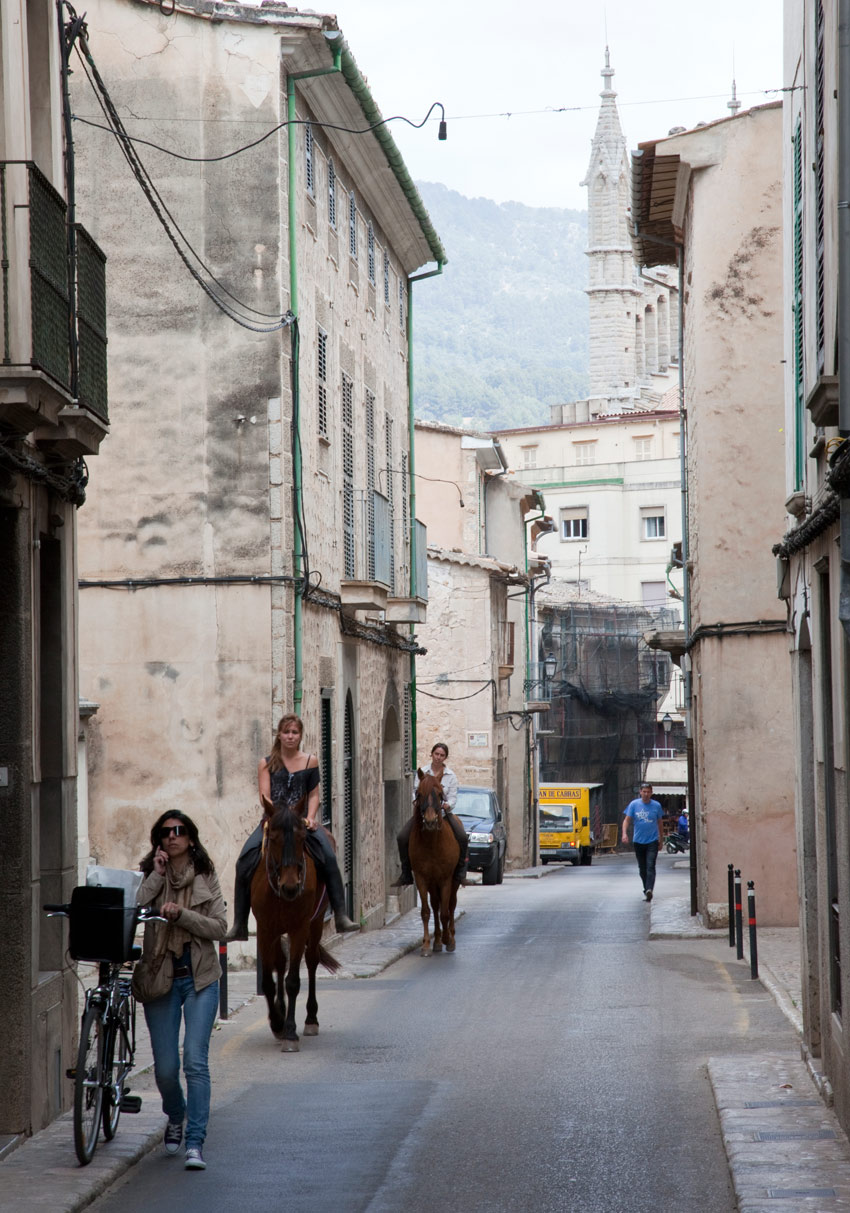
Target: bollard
{"points": [[751, 916], [222, 986], [731, 907], [739, 924]]}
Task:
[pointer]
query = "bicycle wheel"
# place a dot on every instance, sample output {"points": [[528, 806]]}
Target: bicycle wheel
{"points": [[119, 1059], [88, 1085]]}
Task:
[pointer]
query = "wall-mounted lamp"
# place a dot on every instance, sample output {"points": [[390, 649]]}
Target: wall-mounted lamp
{"points": [[550, 664], [666, 722]]}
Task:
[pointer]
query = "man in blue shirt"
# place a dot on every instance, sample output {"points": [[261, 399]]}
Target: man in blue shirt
{"points": [[646, 815]]}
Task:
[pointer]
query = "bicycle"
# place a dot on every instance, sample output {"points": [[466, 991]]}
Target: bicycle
{"points": [[108, 1027]]}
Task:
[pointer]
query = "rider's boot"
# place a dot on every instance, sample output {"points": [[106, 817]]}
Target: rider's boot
{"points": [[238, 933], [406, 876], [336, 896], [461, 870]]}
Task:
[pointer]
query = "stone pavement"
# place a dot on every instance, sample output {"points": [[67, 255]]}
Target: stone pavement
{"points": [[784, 1145]]}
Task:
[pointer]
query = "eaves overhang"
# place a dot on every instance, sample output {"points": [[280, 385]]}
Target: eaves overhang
{"points": [[343, 99], [659, 195]]}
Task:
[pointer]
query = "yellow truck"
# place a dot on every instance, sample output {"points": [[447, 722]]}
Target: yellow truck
{"points": [[566, 813]]}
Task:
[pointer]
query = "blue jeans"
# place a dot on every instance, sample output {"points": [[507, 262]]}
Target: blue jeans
{"points": [[163, 1015], [647, 853]]}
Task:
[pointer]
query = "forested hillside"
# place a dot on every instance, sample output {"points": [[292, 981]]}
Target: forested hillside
{"points": [[502, 334]]}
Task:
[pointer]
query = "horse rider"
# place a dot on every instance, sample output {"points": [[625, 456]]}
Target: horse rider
{"points": [[286, 776], [448, 781]]}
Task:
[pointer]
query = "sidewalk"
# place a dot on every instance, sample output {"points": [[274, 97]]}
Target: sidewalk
{"points": [[785, 1147]]}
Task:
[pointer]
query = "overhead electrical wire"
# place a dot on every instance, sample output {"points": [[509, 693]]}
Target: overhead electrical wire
{"points": [[328, 126]]}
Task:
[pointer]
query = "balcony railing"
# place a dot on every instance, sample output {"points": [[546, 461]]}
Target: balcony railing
{"points": [[37, 317]]}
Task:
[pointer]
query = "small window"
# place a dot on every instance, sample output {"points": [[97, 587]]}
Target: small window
{"points": [[309, 160], [585, 453], [643, 448], [654, 594], [652, 522], [331, 194], [574, 523], [401, 303], [322, 381], [370, 245], [386, 278], [529, 456], [352, 225]]}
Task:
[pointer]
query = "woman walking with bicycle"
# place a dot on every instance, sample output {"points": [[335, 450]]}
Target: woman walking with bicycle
{"points": [[177, 977]]}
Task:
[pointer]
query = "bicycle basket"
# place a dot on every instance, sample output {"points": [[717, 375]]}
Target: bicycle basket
{"points": [[102, 924]]}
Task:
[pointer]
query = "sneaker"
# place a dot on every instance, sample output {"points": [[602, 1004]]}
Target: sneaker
{"points": [[649, 894], [173, 1137], [195, 1159]]}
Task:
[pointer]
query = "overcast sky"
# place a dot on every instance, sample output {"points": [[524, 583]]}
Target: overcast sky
{"points": [[673, 61]]}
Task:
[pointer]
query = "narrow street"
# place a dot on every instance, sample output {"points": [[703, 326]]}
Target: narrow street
{"points": [[556, 1061]]}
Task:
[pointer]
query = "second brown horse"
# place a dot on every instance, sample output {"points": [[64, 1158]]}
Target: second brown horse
{"points": [[434, 855], [289, 905]]}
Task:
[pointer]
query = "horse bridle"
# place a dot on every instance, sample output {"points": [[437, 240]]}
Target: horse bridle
{"points": [[434, 793], [274, 869]]}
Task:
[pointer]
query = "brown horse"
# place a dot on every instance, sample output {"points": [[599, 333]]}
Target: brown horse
{"points": [[289, 905], [434, 854]]}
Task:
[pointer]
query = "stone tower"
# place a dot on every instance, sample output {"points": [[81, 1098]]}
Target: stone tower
{"points": [[614, 293]]}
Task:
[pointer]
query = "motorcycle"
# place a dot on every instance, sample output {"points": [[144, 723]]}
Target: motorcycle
{"points": [[675, 844]]}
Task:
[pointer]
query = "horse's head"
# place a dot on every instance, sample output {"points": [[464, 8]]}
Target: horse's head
{"points": [[429, 801], [284, 850]]}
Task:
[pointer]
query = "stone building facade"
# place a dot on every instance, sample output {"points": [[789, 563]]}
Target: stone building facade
{"points": [[252, 548], [715, 192], [482, 564], [812, 554], [53, 412]]}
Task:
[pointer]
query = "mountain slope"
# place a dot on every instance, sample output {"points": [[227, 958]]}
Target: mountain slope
{"points": [[502, 334]]}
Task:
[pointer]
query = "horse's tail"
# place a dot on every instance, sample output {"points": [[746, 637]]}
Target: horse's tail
{"points": [[330, 962]]}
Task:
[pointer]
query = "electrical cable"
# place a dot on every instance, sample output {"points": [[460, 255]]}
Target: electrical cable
{"points": [[329, 126]]}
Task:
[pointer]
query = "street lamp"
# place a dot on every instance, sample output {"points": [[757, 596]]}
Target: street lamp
{"points": [[549, 665], [667, 722]]}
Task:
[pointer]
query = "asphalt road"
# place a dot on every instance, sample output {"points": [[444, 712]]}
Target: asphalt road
{"points": [[556, 1061]]}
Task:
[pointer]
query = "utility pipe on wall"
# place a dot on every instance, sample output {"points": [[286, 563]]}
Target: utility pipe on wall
{"points": [[411, 458]]}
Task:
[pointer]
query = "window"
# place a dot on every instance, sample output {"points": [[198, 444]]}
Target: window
{"points": [[348, 475], [370, 484], [309, 160], [529, 456], [574, 522], [322, 382], [643, 448], [652, 522], [331, 194], [401, 303], [585, 453], [370, 245], [352, 225], [654, 594], [386, 278]]}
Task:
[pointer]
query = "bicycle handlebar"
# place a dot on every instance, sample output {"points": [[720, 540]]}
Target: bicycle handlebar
{"points": [[57, 909], [54, 911]]}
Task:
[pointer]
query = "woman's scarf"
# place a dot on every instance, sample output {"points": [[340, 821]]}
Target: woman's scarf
{"points": [[177, 887]]}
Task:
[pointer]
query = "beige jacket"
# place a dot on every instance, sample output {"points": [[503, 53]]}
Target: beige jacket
{"points": [[207, 922]]}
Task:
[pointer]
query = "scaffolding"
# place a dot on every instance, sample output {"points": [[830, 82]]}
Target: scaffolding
{"points": [[604, 695]]}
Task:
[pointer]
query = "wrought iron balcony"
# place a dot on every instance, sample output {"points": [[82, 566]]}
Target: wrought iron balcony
{"points": [[53, 371]]}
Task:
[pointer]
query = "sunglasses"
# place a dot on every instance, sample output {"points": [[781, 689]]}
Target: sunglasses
{"points": [[177, 831]]}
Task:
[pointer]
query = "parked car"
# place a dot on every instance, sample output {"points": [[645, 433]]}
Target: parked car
{"points": [[481, 817]]}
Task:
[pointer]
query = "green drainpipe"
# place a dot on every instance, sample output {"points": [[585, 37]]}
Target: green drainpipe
{"points": [[297, 486], [411, 427]]}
